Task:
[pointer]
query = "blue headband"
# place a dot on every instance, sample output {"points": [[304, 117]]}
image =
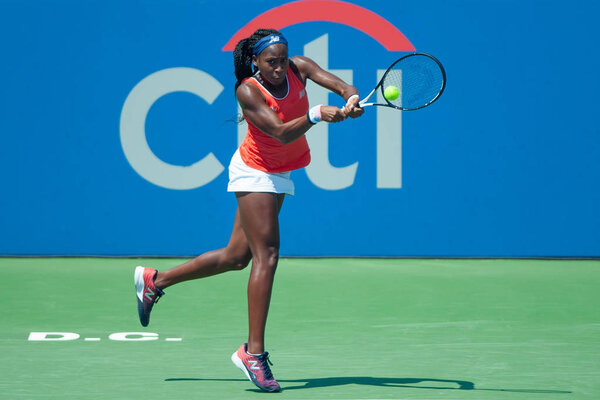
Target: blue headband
{"points": [[266, 42]]}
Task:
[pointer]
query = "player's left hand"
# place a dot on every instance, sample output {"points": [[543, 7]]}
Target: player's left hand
{"points": [[332, 114]]}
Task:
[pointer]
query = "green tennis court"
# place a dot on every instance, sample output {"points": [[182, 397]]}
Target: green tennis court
{"points": [[338, 329]]}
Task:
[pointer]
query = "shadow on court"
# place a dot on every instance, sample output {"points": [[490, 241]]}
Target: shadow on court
{"points": [[409, 383]]}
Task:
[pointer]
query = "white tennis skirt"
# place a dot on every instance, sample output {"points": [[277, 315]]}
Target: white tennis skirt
{"points": [[243, 178]]}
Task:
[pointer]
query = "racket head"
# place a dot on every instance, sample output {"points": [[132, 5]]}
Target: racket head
{"points": [[420, 78]]}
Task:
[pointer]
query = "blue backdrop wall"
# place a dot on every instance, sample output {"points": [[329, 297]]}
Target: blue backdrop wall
{"points": [[117, 125]]}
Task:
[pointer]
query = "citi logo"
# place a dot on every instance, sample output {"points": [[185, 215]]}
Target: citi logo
{"points": [[321, 172]]}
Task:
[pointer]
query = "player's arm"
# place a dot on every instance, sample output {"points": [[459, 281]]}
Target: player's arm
{"points": [[311, 70], [256, 110]]}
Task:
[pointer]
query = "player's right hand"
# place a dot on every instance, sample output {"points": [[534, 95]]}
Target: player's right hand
{"points": [[353, 109]]}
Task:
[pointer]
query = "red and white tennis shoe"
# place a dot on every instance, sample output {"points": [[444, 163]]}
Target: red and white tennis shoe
{"points": [[256, 368], [147, 293]]}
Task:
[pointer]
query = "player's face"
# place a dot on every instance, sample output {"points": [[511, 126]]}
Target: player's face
{"points": [[273, 63]]}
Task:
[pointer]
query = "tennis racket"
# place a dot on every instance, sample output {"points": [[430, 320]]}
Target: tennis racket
{"points": [[413, 82]]}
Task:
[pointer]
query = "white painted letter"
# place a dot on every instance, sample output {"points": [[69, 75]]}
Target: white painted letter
{"points": [[141, 336], [39, 336]]}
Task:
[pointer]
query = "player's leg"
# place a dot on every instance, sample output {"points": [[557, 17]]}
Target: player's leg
{"points": [[149, 282], [259, 217], [235, 256]]}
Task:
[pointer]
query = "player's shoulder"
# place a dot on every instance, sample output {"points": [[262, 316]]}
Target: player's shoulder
{"points": [[248, 92], [305, 67]]}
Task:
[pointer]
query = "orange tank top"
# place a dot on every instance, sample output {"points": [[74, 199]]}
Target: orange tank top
{"points": [[264, 152]]}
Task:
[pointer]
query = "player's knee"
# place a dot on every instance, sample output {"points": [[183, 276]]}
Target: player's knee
{"points": [[269, 257], [241, 263], [237, 260], [274, 253]]}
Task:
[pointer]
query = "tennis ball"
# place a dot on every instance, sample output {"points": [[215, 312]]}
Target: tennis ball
{"points": [[391, 93]]}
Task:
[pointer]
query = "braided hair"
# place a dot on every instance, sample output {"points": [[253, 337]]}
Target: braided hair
{"points": [[242, 54]]}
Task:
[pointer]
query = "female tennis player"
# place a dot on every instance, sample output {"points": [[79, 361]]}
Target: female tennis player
{"points": [[270, 89]]}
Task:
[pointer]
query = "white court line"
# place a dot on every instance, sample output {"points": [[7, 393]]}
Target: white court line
{"points": [[173, 339], [92, 339]]}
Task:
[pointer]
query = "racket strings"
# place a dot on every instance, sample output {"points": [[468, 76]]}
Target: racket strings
{"points": [[419, 80]]}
